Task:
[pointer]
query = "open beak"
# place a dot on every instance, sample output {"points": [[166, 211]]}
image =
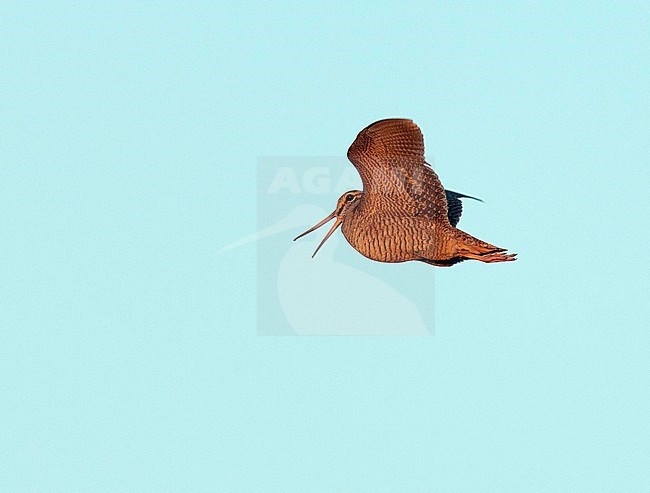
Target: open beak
{"points": [[336, 224]]}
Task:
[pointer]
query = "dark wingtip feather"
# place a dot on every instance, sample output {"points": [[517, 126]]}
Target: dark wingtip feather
{"points": [[463, 196]]}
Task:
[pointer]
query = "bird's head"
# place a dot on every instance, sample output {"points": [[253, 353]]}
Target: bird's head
{"points": [[345, 205], [347, 202]]}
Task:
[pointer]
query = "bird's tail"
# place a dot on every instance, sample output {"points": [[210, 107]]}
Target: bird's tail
{"points": [[467, 246]]}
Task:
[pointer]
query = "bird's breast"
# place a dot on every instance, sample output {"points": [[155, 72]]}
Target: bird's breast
{"points": [[387, 237]]}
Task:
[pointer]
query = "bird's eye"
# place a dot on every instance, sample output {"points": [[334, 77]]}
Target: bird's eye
{"points": [[349, 197]]}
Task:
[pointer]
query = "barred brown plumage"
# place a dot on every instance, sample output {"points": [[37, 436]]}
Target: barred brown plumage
{"points": [[403, 211]]}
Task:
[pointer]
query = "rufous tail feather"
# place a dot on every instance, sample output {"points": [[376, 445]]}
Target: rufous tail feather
{"points": [[470, 247]]}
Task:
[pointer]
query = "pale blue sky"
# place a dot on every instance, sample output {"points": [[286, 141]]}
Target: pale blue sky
{"points": [[129, 354]]}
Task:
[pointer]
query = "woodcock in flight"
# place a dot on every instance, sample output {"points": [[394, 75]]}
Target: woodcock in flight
{"points": [[403, 212]]}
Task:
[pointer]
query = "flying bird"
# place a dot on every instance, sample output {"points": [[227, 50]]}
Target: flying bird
{"points": [[403, 212]]}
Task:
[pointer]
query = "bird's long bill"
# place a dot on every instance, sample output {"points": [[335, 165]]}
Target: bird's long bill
{"points": [[336, 224]]}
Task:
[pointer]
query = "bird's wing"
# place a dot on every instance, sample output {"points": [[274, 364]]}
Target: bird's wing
{"points": [[455, 205], [389, 155]]}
